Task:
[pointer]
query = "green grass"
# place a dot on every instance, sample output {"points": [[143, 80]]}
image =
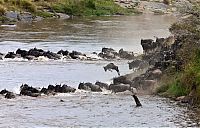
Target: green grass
{"points": [[90, 7], [70, 7], [44, 14]]}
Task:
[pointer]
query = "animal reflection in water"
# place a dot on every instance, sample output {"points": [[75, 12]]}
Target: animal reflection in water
{"points": [[110, 67]]}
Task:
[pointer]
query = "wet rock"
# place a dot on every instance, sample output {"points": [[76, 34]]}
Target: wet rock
{"points": [[25, 16], [119, 87], [62, 16], [180, 98], [102, 85], [110, 67], [12, 16], [10, 95], [90, 87]]}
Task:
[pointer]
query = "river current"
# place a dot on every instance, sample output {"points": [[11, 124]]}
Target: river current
{"points": [[82, 109]]}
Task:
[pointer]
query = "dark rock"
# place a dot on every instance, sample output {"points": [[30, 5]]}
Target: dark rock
{"points": [[26, 17], [13, 16]]}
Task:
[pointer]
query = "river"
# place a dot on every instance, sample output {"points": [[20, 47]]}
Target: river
{"points": [[82, 109]]}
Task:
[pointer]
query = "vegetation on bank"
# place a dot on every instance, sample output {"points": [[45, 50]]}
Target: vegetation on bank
{"points": [[187, 81], [47, 8]]}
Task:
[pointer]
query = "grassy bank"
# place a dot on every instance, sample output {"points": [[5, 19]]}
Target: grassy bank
{"points": [[187, 81], [46, 8]]}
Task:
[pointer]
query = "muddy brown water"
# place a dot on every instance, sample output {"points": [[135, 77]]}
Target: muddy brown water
{"points": [[82, 109]]}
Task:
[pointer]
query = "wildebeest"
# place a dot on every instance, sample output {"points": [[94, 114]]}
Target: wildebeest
{"points": [[111, 66], [89, 86], [149, 45]]}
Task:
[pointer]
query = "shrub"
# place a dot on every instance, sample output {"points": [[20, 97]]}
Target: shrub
{"points": [[28, 5], [2, 10]]}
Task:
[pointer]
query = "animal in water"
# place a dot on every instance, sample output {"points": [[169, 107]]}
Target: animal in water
{"points": [[138, 104], [110, 67]]}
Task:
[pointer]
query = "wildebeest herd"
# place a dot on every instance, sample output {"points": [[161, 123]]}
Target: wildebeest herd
{"points": [[159, 54]]}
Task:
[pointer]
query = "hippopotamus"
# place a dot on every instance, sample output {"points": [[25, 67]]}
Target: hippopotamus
{"points": [[90, 87], [110, 67]]}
